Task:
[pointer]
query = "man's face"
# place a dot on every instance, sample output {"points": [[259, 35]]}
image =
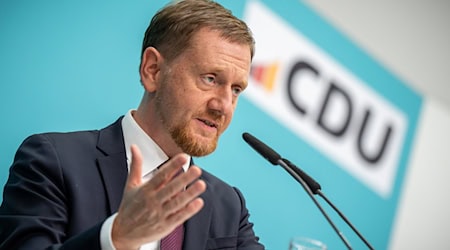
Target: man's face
{"points": [[199, 89]]}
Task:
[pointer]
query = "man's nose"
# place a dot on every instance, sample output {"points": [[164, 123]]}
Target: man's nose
{"points": [[223, 100]]}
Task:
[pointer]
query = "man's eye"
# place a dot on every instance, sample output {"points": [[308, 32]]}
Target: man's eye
{"points": [[209, 79], [237, 91]]}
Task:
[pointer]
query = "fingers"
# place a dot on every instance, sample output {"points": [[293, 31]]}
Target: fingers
{"points": [[187, 212], [167, 171], [176, 199], [135, 176], [177, 193], [179, 183], [184, 205]]}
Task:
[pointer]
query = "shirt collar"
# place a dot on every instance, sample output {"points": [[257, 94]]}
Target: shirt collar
{"points": [[153, 156]]}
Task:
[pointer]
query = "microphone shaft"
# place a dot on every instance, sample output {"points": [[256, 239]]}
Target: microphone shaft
{"points": [[316, 189], [319, 192], [311, 195]]}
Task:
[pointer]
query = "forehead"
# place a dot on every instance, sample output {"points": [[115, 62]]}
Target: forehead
{"points": [[209, 46]]}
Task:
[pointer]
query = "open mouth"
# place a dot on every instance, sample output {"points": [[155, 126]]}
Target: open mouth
{"points": [[208, 123]]}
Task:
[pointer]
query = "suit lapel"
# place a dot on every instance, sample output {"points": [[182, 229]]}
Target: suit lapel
{"points": [[197, 228], [112, 163]]}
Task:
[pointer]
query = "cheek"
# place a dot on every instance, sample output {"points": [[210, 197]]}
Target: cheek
{"points": [[186, 105]]}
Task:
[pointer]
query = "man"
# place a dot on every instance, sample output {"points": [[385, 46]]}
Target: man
{"points": [[132, 185]]}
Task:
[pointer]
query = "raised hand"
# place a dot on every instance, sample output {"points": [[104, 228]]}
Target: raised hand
{"points": [[151, 210]]}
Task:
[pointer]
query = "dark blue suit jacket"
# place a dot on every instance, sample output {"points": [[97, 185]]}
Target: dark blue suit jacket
{"points": [[62, 186]]}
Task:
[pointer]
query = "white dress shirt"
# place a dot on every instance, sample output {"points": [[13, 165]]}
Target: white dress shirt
{"points": [[152, 155]]}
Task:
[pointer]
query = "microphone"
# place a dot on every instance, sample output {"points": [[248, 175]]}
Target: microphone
{"points": [[274, 158], [312, 185], [316, 189], [264, 150]]}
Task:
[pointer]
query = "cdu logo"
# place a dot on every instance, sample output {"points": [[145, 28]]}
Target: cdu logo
{"points": [[325, 104], [264, 75]]}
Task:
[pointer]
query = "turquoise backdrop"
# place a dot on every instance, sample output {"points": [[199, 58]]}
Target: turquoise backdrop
{"points": [[73, 65]]}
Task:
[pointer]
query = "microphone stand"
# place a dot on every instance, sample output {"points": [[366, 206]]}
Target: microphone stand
{"points": [[319, 192], [311, 195], [309, 184], [316, 189]]}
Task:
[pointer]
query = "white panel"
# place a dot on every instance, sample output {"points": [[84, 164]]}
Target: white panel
{"points": [[311, 90], [423, 219]]}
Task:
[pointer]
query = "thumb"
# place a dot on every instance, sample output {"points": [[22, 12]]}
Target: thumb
{"points": [[135, 176]]}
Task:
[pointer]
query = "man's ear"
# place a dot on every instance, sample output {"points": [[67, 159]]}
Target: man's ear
{"points": [[150, 69]]}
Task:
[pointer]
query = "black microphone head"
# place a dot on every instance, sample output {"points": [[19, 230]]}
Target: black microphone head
{"points": [[264, 150]]}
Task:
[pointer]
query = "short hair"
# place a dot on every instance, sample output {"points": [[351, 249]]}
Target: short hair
{"points": [[173, 26]]}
